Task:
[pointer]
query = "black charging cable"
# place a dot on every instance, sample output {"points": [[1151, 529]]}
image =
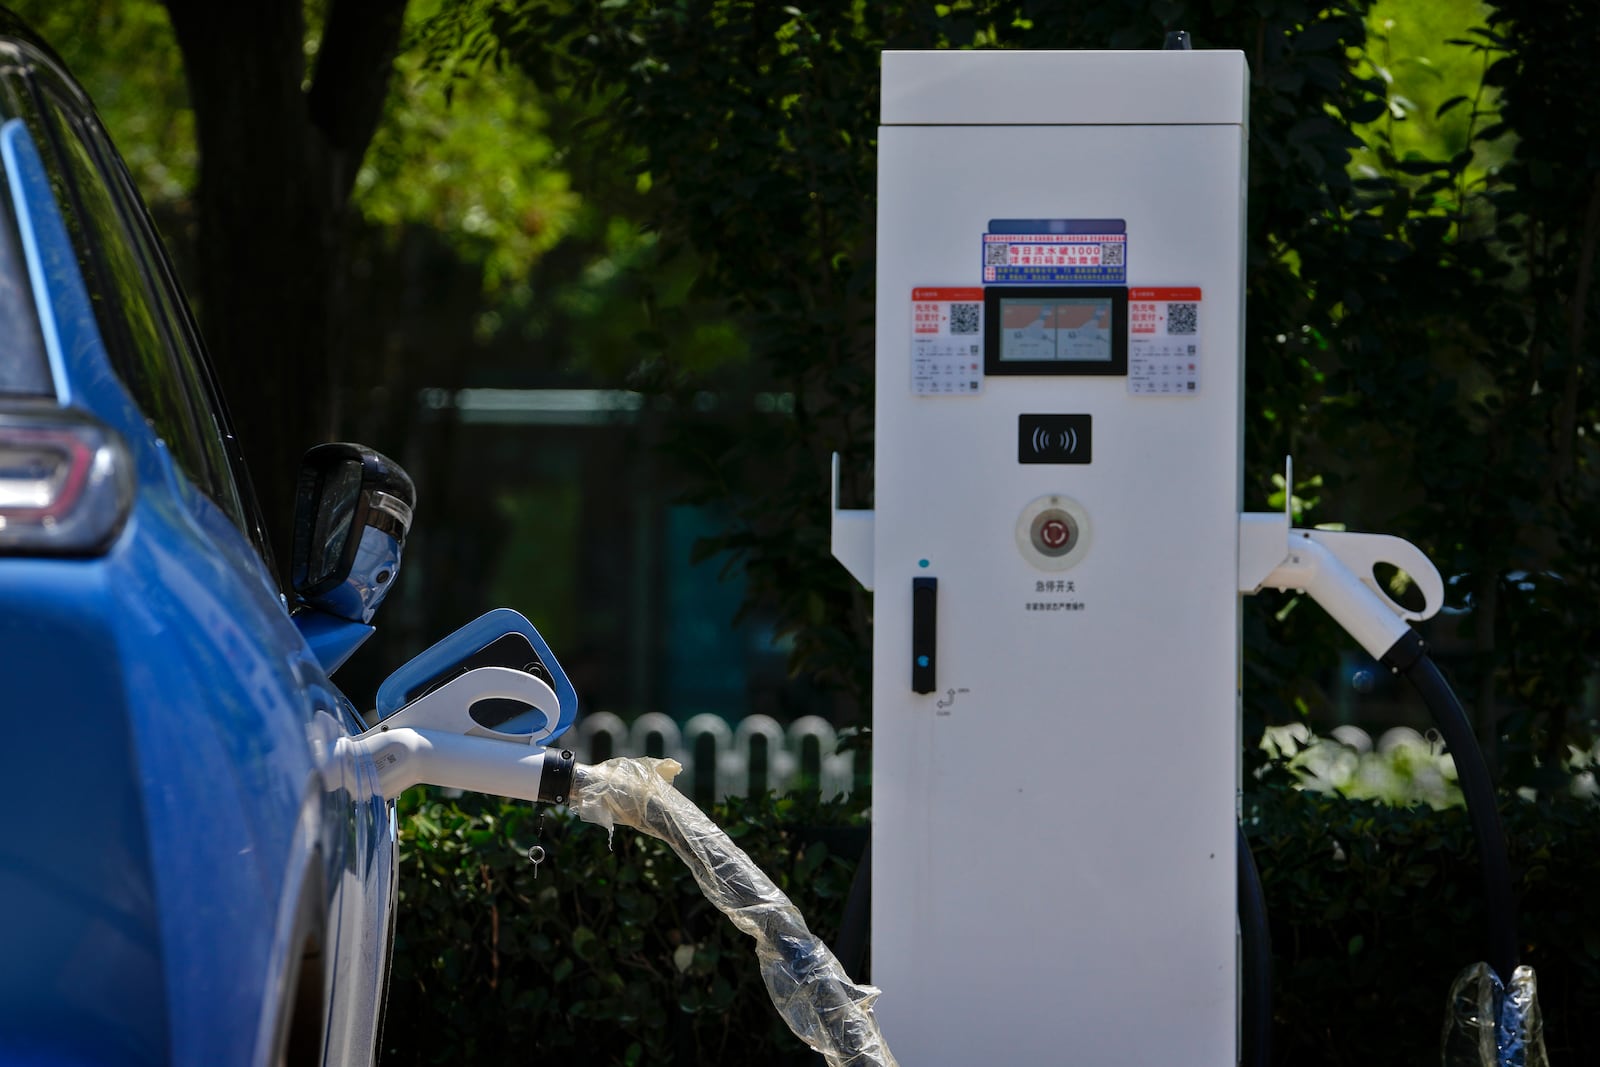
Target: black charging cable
{"points": [[1255, 979], [1409, 656]]}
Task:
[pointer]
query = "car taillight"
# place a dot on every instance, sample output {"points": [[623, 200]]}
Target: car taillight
{"points": [[66, 483]]}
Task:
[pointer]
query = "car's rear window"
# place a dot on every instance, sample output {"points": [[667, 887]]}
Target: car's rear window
{"points": [[23, 369]]}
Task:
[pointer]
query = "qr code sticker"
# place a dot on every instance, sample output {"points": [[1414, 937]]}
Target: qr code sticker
{"points": [[1111, 255], [996, 255], [1182, 318], [964, 318]]}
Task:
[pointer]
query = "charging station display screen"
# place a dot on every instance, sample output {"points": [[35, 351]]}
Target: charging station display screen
{"points": [[1065, 328], [1056, 330]]}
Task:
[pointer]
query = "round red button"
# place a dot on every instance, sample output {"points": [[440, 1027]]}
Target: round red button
{"points": [[1054, 532]]}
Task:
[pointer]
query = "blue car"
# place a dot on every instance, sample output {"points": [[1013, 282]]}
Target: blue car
{"points": [[196, 871]]}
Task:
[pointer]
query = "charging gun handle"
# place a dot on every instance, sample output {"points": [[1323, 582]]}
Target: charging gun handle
{"points": [[434, 740], [406, 757], [1336, 570]]}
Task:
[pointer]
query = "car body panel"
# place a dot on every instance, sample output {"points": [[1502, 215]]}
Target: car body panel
{"points": [[75, 874], [175, 738]]}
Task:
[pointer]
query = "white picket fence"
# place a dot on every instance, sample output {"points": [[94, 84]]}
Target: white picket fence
{"points": [[720, 758]]}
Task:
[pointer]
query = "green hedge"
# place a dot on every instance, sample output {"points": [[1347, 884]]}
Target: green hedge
{"points": [[1375, 909], [611, 955]]}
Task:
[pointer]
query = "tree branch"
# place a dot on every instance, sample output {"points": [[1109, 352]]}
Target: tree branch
{"points": [[241, 58], [359, 42]]}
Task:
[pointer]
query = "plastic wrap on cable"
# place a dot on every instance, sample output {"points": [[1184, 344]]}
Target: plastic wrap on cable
{"points": [[810, 988], [1492, 1024]]}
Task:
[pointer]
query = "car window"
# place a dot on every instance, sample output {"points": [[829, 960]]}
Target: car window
{"points": [[133, 307], [23, 370], [232, 487]]}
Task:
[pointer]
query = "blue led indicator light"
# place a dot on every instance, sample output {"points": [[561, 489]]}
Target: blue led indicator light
{"points": [[922, 563], [922, 661]]}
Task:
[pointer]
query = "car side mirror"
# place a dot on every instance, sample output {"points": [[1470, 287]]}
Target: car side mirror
{"points": [[352, 512]]}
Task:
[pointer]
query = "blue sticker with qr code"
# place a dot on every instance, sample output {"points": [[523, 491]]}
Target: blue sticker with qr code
{"points": [[1056, 252]]}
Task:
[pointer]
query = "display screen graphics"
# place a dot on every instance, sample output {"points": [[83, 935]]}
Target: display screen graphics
{"points": [[1056, 330], [1070, 328]]}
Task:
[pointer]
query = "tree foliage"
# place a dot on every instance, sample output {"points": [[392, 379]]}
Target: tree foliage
{"points": [[1462, 372], [472, 160]]}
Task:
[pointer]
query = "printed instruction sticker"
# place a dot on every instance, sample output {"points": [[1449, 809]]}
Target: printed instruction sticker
{"points": [[1069, 602], [1056, 252], [947, 341], [1164, 341]]}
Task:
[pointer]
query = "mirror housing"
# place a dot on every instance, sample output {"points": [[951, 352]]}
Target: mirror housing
{"points": [[353, 509]]}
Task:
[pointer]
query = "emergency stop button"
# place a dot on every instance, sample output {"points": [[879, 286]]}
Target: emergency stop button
{"points": [[1053, 532]]}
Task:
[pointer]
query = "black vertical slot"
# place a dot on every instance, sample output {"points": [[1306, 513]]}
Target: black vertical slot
{"points": [[924, 633]]}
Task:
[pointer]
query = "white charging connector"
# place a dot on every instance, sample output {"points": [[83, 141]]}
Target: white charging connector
{"points": [[1337, 570], [435, 741]]}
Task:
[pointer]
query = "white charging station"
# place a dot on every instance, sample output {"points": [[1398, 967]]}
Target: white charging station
{"points": [[1057, 554], [1054, 556]]}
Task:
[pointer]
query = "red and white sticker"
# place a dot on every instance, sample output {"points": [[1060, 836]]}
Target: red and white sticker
{"points": [[1164, 341], [947, 341]]}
